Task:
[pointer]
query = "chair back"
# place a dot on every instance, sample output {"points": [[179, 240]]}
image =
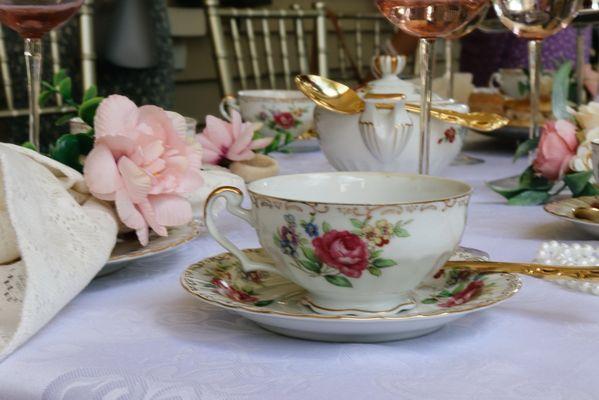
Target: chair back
{"points": [[265, 49]]}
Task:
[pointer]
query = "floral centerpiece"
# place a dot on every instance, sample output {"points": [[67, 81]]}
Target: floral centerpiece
{"points": [[139, 158], [563, 152]]}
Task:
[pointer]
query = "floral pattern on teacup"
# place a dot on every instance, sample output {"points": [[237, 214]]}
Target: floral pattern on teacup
{"points": [[336, 255], [449, 136], [282, 121], [460, 288]]}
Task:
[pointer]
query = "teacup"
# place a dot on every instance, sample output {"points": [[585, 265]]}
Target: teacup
{"points": [[286, 112], [513, 82], [358, 242]]}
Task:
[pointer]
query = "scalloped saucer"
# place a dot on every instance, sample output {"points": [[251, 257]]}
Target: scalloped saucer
{"points": [[277, 304]]}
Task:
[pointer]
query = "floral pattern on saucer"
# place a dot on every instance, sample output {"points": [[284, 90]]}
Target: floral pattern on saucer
{"points": [[220, 281], [338, 255], [283, 122]]}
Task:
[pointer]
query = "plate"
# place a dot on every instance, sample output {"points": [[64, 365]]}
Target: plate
{"points": [[564, 209], [128, 249], [276, 304]]}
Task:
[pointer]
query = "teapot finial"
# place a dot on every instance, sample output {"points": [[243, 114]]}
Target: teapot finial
{"points": [[388, 67], [385, 125]]}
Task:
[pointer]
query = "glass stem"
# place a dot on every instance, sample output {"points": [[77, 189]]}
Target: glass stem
{"points": [[33, 59], [426, 74], [449, 67], [534, 64]]}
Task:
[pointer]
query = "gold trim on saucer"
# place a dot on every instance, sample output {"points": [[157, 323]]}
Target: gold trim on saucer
{"points": [[564, 208]]}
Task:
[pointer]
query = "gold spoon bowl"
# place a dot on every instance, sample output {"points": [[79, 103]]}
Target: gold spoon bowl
{"points": [[339, 98]]}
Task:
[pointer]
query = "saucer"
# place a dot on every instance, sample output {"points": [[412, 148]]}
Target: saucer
{"points": [[128, 249], [564, 209], [277, 304]]}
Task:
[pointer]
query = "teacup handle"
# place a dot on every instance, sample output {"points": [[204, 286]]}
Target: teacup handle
{"points": [[495, 80], [228, 102], [234, 197]]}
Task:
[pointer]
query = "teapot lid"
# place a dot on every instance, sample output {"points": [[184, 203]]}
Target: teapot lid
{"points": [[387, 69]]}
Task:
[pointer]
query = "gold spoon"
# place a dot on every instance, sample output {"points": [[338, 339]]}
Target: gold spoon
{"points": [[587, 213], [337, 97], [534, 270]]}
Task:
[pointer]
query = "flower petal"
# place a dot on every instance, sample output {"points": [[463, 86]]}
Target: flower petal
{"points": [[150, 216], [178, 122], [171, 210], [127, 212], [260, 143], [136, 180], [100, 171], [116, 115]]}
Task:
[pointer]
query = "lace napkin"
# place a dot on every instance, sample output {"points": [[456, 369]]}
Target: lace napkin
{"points": [[54, 238]]}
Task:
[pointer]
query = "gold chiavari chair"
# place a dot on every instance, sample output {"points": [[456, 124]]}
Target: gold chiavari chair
{"points": [[282, 43], [357, 37], [88, 65]]}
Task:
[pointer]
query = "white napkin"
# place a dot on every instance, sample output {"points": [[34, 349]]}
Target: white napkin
{"points": [[54, 238]]}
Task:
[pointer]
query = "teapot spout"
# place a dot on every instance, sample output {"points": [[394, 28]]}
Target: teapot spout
{"points": [[385, 132]]}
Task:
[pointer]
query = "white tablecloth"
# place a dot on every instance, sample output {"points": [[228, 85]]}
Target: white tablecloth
{"points": [[136, 335]]}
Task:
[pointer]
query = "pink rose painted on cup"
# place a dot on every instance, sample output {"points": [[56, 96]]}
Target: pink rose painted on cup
{"points": [[224, 141], [343, 251], [143, 163], [285, 120], [556, 148]]}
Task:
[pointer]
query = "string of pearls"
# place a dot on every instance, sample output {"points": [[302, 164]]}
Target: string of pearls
{"points": [[576, 254]]}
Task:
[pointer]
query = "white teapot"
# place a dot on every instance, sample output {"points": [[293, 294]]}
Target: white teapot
{"points": [[348, 148]]}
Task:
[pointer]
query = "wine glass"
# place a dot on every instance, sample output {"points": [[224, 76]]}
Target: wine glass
{"points": [[32, 19], [466, 29], [535, 20], [429, 20]]}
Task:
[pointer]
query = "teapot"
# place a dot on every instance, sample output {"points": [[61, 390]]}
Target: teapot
{"points": [[350, 144]]}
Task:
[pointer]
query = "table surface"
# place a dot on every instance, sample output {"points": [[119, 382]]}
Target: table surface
{"points": [[136, 335]]}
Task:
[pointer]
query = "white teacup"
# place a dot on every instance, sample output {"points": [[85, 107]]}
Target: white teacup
{"points": [[286, 112], [510, 81], [358, 242]]}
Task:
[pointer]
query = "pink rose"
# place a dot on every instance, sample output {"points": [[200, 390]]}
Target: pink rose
{"points": [[342, 250], [557, 146], [142, 162], [285, 120], [471, 291], [232, 141]]}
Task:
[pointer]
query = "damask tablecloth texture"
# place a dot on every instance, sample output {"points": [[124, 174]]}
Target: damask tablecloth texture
{"points": [[136, 335]]}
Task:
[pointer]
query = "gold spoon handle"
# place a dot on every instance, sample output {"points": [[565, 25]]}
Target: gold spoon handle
{"points": [[479, 121], [534, 270]]}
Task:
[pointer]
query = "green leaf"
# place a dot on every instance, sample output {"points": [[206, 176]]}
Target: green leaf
{"points": [[523, 88], [29, 145], [69, 148], [530, 180], [529, 198], [577, 181], [445, 293], [374, 271], [65, 88], [430, 301], [87, 110], [311, 266], [263, 303], [559, 95], [90, 93], [309, 253], [338, 280], [384, 263], [326, 227], [525, 147], [357, 223], [64, 119], [44, 97], [399, 231], [59, 77], [49, 87], [589, 190], [376, 254]]}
